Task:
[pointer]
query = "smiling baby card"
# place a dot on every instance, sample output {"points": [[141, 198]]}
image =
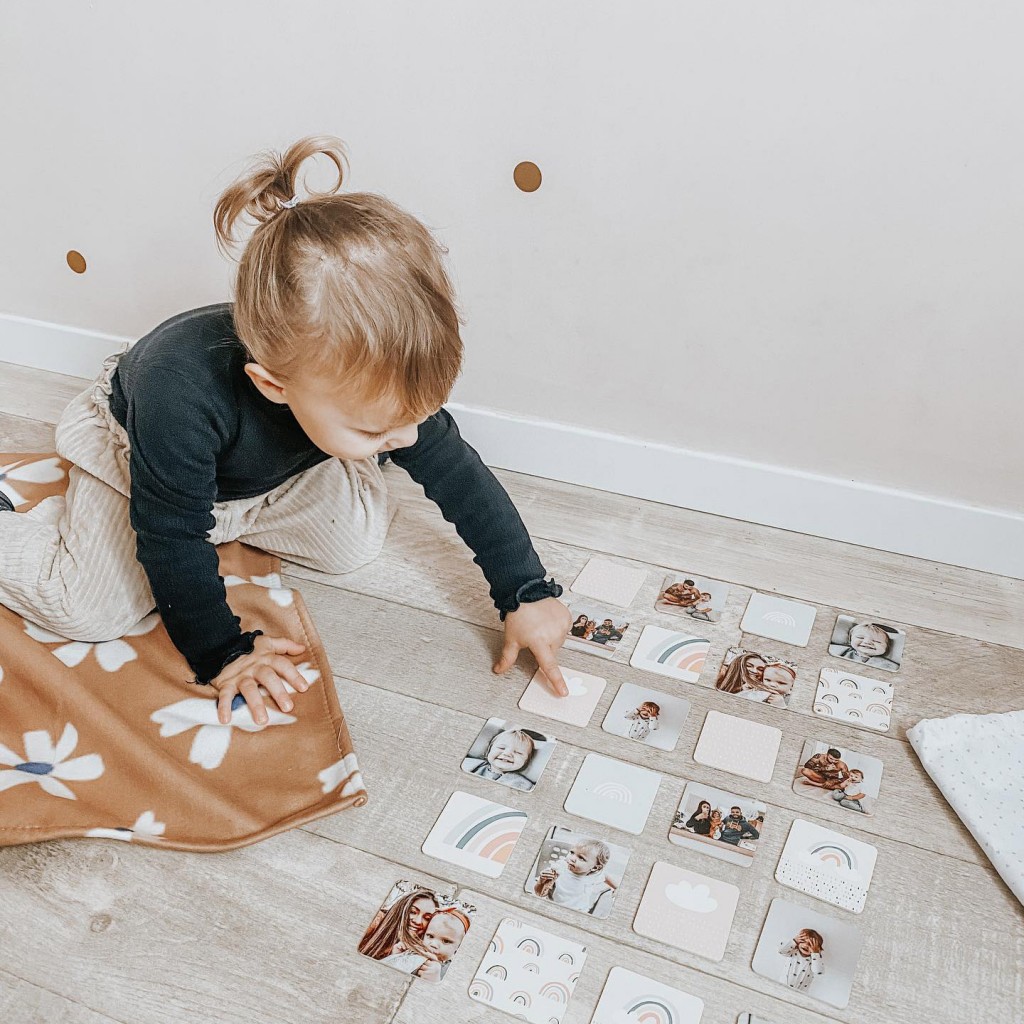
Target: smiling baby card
{"points": [[528, 973], [476, 834], [613, 793], [689, 911], [576, 709], [670, 653], [630, 998]]}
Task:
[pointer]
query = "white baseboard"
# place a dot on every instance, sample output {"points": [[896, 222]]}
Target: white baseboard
{"points": [[837, 509]]}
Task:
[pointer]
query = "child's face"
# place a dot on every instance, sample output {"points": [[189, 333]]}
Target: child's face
{"points": [[777, 679], [443, 936], [419, 914], [867, 641], [581, 861], [856, 776], [804, 944], [342, 424], [507, 753]]}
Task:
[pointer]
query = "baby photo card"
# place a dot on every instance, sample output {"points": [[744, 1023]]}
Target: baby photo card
{"points": [[826, 864], [418, 930], [871, 644], [579, 871], [648, 716], [576, 709], [776, 618], [595, 628], [630, 998], [670, 653], [762, 678], [838, 775], [718, 823], [856, 700], [509, 754], [528, 973], [739, 746], [693, 596], [613, 793], [688, 911], [809, 952], [609, 582], [476, 834]]}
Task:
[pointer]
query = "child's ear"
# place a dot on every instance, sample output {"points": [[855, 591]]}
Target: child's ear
{"points": [[269, 386]]}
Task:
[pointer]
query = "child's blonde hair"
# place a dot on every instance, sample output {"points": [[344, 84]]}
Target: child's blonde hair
{"points": [[601, 852], [347, 286], [519, 735]]}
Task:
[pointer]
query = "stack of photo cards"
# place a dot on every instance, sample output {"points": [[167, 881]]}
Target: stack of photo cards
{"points": [[509, 754], [688, 911], [738, 746], [575, 709], [763, 678], [579, 871], [809, 952], [855, 700], [719, 823], [789, 622], [528, 973], [871, 644], [613, 793], [418, 930], [827, 865], [629, 998], [649, 716], [670, 653], [693, 596], [838, 775], [476, 834], [595, 628], [609, 582]]}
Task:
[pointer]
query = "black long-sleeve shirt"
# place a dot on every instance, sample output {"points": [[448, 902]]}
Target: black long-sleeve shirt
{"points": [[201, 432]]}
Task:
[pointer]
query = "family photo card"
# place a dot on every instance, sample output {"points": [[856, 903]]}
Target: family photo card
{"points": [[809, 952], [670, 653], [476, 834], [576, 709], [776, 618], [418, 930], [609, 582], [648, 716], [718, 823], [693, 596], [871, 644], [856, 700], [762, 678], [630, 998], [578, 870], [528, 972], [509, 754], [838, 775], [595, 628], [739, 746], [613, 793]]}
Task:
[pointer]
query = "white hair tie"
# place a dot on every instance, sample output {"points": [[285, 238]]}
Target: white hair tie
{"points": [[288, 204]]}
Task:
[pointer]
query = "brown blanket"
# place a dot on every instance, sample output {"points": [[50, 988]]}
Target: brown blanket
{"points": [[111, 740]]}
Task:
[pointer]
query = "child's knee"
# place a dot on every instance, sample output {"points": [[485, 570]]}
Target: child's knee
{"points": [[95, 621]]}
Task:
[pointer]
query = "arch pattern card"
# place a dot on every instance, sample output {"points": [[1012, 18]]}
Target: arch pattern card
{"points": [[689, 911], [576, 709], [739, 746], [790, 622], [838, 775], [476, 834], [528, 973], [648, 716], [613, 793], [693, 596], [856, 700], [827, 865], [809, 952], [670, 653], [609, 582], [630, 997]]}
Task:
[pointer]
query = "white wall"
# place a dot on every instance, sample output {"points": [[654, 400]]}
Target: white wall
{"points": [[788, 232]]}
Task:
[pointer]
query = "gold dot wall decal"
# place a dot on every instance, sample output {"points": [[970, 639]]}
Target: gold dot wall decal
{"points": [[527, 176], [76, 261]]}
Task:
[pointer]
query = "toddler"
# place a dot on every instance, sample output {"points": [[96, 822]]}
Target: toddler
{"points": [[644, 720], [579, 882], [774, 686], [507, 754], [851, 792], [264, 420], [430, 957], [869, 645], [805, 959]]}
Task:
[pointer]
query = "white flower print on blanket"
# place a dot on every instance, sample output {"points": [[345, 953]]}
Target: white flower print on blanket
{"points": [[211, 743], [111, 654], [47, 764], [45, 471], [332, 776], [145, 825], [276, 590]]}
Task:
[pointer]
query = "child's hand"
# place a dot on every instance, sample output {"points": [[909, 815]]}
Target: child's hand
{"points": [[541, 627], [267, 666], [429, 970]]}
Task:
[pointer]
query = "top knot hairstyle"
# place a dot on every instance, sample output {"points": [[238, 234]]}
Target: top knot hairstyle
{"points": [[346, 286]]}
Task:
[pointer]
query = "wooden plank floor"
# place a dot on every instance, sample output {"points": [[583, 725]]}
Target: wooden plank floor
{"points": [[92, 932]]}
